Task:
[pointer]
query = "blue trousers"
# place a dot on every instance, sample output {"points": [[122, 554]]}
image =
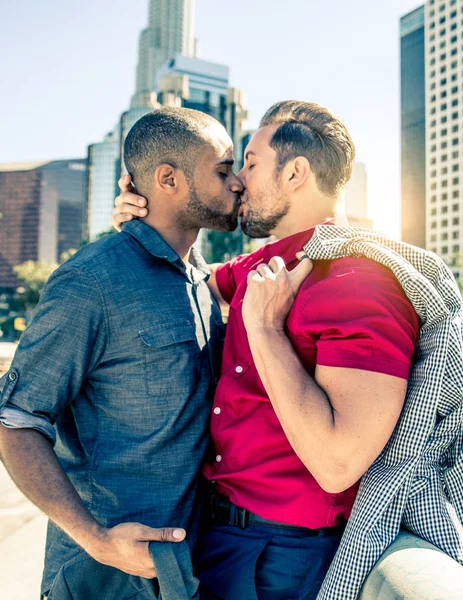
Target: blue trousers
{"points": [[262, 563]]}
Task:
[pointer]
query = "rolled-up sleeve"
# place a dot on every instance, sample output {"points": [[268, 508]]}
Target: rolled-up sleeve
{"points": [[61, 347]]}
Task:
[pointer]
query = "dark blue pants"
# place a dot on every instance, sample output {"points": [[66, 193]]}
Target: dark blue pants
{"points": [[262, 563]]}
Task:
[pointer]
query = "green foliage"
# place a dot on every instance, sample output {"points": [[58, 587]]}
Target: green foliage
{"points": [[33, 276]]}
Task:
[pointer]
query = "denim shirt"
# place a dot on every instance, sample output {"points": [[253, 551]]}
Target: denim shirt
{"points": [[121, 360]]}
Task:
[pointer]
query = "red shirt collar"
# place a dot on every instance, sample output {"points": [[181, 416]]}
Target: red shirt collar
{"points": [[288, 246]]}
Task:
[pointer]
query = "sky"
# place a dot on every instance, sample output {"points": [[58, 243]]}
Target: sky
{"points": [[68, 71]]}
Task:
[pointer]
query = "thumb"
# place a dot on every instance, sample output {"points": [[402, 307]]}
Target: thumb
{"points": [[125, 184], [301, 271], [163, 534]]}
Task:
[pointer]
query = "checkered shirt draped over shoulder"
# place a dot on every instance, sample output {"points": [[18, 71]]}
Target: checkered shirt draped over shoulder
{"points": [[418, 478]]}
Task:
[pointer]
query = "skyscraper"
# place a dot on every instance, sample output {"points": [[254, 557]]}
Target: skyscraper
{"points": [[170, 30], [42, 210], [444, 140], [355, 198], [413, 117]]}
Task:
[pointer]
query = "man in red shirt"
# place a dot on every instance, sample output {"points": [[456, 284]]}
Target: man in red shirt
{"points": [[314, 373]]}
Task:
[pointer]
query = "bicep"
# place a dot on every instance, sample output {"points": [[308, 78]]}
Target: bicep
{"points": [[366, 407]]}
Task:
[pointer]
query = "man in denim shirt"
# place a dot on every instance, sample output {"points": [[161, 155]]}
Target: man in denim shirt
{"points": [[119, 363]]}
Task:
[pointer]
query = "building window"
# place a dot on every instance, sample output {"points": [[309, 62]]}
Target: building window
{"points": [[445, 250], [433, 135], [444, 210], [433, 98], [455, 90], [455, 194], [443, 132], [456, 181], [455, 207], [433, 225], [456, 249], [444, 237], [433, 198], [454, 64], [444, 158], [432, 86], [444, 183], [454, 51], [433, 160], [434, 186], [433, 212], [443, 56], [455, 142], [455, 129], [455, 154], [444, 223], [455, 168], [434, 238], [444, 196], [455, 102], [443, 106], [454, 77], [433, 173], [443, 145], [433, 148], [456, 221], [442, 20], [443, 171], [454, 115], [443, 81], [456, 235], [453, 14], [443, 94]]}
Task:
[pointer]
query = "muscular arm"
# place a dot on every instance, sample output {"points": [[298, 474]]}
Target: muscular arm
{"points": [[33, 465], [337, 422]]}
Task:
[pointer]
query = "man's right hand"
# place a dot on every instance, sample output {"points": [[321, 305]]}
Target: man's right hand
{"points": [[128, 204], [125, 547]]}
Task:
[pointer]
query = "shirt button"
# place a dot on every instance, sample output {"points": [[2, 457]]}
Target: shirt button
{"points": [[239, 369], [218, 458], [217, 410], [12, 376]]}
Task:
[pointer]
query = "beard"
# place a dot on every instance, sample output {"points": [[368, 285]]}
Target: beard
{"points": [[199, 214], [260, 222]]}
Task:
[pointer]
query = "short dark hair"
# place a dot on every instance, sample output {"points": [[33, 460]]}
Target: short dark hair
{"points": [[307, 129], [166, 135]]}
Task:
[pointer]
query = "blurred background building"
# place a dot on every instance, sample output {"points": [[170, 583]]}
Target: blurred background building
{"points": [[42, 212], [413, 127], [356, 198]]}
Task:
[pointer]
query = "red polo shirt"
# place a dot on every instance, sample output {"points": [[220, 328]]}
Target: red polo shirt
{"points": [[349, 312]]}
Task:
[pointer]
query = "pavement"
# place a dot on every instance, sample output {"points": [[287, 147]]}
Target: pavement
{"points": [[22, 529], [22, 543]]}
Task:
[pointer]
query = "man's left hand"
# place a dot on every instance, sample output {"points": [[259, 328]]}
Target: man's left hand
{"points": [[271, 293]]}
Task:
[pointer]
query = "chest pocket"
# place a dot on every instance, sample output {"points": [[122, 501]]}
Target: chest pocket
{"points": [[172, 358]]}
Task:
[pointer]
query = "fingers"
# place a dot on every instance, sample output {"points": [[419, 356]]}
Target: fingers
{"points": [[125, 183], [277, 264], [131, 209], [162, 534], [265, 271], [301, 271]]}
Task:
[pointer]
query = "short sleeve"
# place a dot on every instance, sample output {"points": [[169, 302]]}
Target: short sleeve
{"points": [[231, 274], [362, 320], [61, 346]]}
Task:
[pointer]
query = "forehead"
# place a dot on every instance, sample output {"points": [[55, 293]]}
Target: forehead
{"points": [[259, 143], [218, 141]]}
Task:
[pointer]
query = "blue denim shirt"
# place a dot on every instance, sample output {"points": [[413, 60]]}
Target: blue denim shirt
{"points": [[120, 360]]}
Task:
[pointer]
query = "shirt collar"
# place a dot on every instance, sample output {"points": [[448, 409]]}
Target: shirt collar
{"points": [[156, 245], [288, 246]]}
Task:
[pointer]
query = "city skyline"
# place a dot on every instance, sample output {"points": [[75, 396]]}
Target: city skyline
{"points": [[269, 61]]}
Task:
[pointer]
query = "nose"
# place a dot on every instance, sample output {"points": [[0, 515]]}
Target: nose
{"points": [[236, 185]]}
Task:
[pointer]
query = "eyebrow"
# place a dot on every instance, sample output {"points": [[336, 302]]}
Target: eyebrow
{"points": [[226, 162], [248, 153]]}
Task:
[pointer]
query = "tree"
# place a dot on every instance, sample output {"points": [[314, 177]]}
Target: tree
{"points": [[33, 275]]}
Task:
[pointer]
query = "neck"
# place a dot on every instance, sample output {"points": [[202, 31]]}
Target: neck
{"points": [[306, 214], [179, 239]]}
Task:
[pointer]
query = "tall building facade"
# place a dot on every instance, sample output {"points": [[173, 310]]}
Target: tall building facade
{"points": [[103, 161], [413, 127], [444, 127], [356, 198], [42, 209], [170, 30]]}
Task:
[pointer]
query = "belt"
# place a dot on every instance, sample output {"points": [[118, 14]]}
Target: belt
{"points": [[223, 511]]}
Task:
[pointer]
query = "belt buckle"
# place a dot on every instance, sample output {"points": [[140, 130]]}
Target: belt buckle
{"points": [[241, 518]]}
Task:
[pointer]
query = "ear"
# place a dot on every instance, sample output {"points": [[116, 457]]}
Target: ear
{"points": [[300, 172], [167, 178]]}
